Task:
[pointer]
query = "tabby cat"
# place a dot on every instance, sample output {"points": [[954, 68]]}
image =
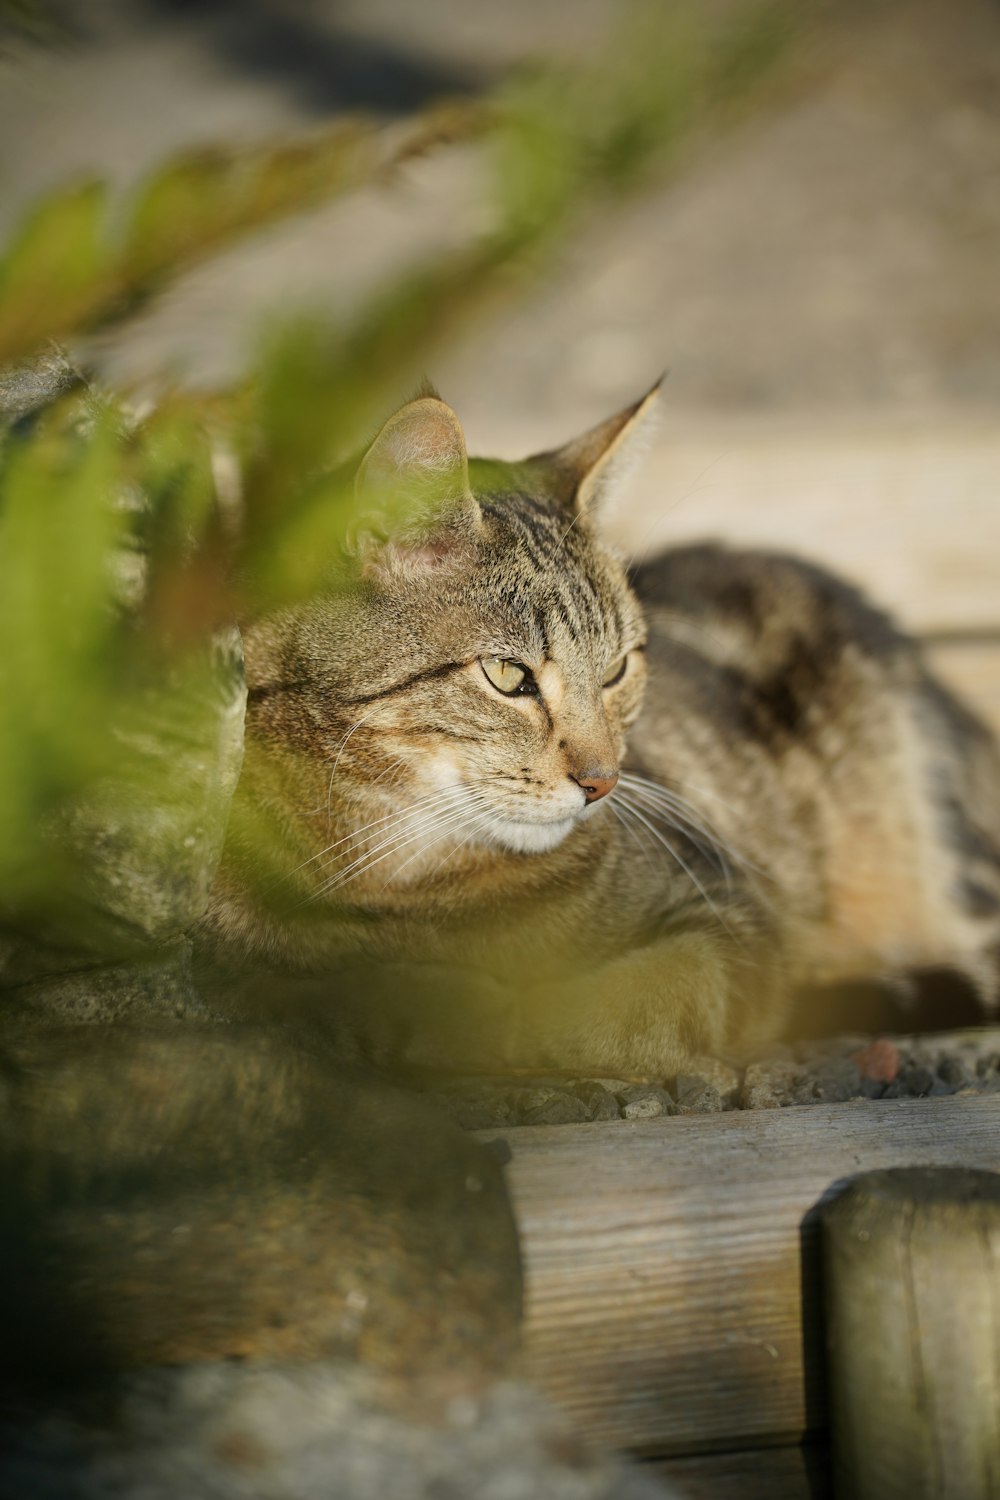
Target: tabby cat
{"points": [[523, 811]]}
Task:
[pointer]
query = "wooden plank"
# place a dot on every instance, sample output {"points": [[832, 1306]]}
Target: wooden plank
{"points": [[671, 1265], [909, 512], [972, 669], [758, 1474]]}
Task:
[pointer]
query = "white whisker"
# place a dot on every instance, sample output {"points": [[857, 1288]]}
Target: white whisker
{"points": [[383, 824], [696, 820], [404, 827], [392, 766], [483, 821], [353, 730], [451, 816], [619, 810], [679, 815], [679, 860]]}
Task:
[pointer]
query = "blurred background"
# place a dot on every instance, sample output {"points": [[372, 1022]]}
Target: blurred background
{"points": [[820, 279]]}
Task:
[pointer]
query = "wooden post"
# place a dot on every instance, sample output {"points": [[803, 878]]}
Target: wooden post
{"points": [[911, 1263]]}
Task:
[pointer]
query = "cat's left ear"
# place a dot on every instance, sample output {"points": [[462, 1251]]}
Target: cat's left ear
{"points": [[415, 508], [582, 473]]}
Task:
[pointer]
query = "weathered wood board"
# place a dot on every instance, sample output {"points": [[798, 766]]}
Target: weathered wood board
{"points": [[758, 1474], [909, 510], [971, 669], [671, 1265]]}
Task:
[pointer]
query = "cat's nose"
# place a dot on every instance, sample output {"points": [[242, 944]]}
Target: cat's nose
{"points": [[596, 784]]}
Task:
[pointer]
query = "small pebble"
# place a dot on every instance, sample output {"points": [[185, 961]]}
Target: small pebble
{"points": [[879, 1060], [833, 1071], [641, 1101], [696, 1096], [724, 1078], [549, 1107], [771, 1084], [953, 1073], [600, 1102], [916, 1080], [834, 1082]]}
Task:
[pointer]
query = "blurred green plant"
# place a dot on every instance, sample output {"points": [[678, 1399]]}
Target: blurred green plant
{"points": [[119, 555]]}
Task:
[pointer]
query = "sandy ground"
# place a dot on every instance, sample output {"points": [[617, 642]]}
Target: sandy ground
{"points": [[839, 251], [821, 284]]}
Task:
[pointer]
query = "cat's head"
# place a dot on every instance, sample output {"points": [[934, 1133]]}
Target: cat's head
{"points": [[485, 654]]}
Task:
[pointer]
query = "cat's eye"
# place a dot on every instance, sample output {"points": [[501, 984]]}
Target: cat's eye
{"points": [[507, 676], [615, 672]]}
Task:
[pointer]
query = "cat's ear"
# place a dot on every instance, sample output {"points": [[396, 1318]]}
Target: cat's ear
{"points": [[415, 508], [583, 472]]}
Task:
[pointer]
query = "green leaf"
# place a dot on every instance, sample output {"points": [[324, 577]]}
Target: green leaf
{"points": [[59, 530], [55, 271]]}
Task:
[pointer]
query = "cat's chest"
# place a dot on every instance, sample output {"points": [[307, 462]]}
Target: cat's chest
{"points": [[510, 939], [527, 918]]}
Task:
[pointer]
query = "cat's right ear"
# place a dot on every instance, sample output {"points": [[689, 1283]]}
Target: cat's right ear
{"points": [[414, 506], [582, 473]]}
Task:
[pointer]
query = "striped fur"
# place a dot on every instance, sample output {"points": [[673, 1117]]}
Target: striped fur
{"points": [[414, 858]]}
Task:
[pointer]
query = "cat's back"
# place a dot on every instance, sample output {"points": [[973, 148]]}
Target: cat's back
{"points": [[765, 658], [862, 783], [765, 614]]}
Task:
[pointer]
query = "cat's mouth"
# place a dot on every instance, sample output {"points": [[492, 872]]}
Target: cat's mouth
{"points": [[534, 835], [530, 836]]}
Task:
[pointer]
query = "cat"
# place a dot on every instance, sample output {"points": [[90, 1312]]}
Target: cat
{"points": [[523, 810]]}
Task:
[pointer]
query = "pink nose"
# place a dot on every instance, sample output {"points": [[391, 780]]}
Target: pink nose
{"points": [[596, 784]]}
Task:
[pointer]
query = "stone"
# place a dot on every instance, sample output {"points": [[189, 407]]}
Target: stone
{"points": [[834, 1082], [549, 1107], [769, 1085], [953, 1073], [696, 1096], [721, 1075], [160, 987], [916, 1080], [600, 1102], [191, 1193], [879, 1060], [641, 1101]]}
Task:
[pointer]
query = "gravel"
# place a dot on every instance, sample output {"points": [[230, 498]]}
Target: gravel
{"points": [[829, 1072]]}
